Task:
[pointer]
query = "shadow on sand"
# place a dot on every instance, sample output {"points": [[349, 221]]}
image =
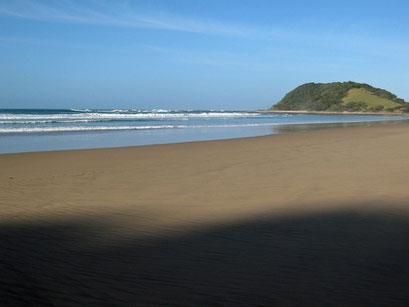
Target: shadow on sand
{"points": [[338, 258]]}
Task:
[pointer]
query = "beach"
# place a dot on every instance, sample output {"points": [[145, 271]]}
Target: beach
{"points": [[308, 218]]}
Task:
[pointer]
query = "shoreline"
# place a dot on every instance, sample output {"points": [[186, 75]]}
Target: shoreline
{"points": [[45, 130], [274, 130], [318, 217], [329, 113]]}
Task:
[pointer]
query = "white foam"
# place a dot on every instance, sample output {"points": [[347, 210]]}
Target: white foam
{"points": [[32, 122], [89, 128], [113, 128], [110, 115], [80, 110]]}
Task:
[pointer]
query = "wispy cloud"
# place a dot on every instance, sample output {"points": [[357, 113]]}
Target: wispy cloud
{"points": [[116, 14], [120, 14]]}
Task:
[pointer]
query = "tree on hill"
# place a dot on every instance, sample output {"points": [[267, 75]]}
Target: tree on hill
{"points": [[329, 97]]}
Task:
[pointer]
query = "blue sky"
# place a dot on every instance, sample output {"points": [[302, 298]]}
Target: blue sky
{"points": [[194, 54]]}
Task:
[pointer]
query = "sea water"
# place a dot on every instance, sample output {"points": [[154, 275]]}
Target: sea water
{"points": [[43, 129]]}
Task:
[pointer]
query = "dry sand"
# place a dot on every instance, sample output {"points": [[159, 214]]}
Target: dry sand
{"points": [[319, 217]]}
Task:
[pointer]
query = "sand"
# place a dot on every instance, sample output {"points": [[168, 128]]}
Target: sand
{"points": [[318, 217]]}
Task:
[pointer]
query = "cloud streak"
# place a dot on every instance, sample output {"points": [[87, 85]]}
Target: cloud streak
{"points": [[117, 14], [120, 14]]}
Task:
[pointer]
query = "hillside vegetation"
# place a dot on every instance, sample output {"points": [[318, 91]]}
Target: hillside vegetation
{"points": [[341, 96]]}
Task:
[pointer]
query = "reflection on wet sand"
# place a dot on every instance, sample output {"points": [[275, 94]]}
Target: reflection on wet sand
{"points": [[322, 126]]}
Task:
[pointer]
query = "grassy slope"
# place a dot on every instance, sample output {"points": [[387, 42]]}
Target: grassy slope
{"points": [[339, 97], [362, 95]]}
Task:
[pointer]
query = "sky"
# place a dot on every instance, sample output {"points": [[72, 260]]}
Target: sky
{"points": [[194, 54]]}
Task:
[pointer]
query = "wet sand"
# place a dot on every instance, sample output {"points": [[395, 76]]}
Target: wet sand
{"points": [[310, 218]]}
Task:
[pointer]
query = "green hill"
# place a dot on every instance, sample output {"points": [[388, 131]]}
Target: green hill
{"points": [[341, 96]]}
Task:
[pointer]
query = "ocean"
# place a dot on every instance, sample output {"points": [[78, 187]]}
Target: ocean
{"points": [[50, 129]]}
